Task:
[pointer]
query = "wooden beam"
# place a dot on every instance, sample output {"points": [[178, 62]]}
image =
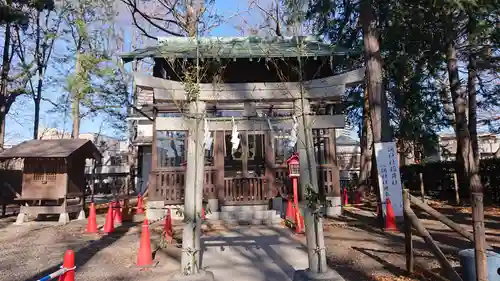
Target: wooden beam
{"points": [[422, 231], [250, 123], [410, 258], [442, 218], [263, 106], [330, 88]]}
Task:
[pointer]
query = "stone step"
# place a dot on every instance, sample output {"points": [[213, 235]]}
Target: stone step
{"points": [[245, 217], [244, 208]]}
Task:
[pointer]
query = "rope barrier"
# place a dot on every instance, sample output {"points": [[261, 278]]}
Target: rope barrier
{"points": [[56, 274]]}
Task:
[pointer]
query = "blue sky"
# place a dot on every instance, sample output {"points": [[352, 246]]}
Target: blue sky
{"points": [[20, 120]]}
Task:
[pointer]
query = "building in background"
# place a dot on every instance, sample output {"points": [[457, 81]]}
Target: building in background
{"points": [[348, 155], [488, 144], [113, 169]]}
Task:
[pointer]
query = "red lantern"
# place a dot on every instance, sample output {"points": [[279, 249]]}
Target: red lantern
{"points": [[293, 166]]}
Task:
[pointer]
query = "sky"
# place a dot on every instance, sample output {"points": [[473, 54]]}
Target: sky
{"points": [[238, 14], [20, 119]]}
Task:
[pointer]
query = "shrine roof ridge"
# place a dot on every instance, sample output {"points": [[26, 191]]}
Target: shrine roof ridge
{"points": [[236, 47], [51, 148]]}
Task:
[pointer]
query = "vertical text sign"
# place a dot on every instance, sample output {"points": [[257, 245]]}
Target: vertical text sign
{"points": [[389, 178]]}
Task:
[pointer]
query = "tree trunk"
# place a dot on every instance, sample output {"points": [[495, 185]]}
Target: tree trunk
{"points": [[75, 101], [470, 167], [37, 98], [4, 101], [366, 147], [472, 93], [379, 115]]}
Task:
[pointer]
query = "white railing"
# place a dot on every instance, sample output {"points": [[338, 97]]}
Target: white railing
{"points": [[108, 169]]}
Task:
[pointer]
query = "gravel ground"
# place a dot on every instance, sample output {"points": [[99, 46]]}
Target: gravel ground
{"points": [[358, 248], [36, 249]]}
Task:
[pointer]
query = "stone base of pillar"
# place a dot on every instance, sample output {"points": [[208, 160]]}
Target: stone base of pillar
{"points": [[21, 218], [155, 210], [64, 218], [307, 275], [333, 207], [81, 215], [278, 206], [213, 205], [201, 276]]}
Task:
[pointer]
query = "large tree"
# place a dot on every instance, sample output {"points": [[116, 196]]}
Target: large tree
{"points": [[12, 84]]}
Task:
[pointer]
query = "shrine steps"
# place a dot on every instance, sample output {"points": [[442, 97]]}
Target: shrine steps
{"points": [[246, 214]]}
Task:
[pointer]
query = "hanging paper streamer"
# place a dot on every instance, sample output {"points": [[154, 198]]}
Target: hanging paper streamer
{"points": [[293, 134], [208, 140], [235, 141], [271, 132]]}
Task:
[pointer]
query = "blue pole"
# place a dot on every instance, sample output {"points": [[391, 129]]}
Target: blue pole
{"points": [[54, 274]]}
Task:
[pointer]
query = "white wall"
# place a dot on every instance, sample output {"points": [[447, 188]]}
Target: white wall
{"points": [[144, 130]]}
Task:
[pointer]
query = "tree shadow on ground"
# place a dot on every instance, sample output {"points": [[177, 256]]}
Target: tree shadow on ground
{"points": [[449, 244], [491, 222], [424, 275], [348, 271], [84, 254]]}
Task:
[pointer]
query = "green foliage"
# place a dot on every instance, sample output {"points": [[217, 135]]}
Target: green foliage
{"points": [[14, 11], [98, 82], [413, 38]]}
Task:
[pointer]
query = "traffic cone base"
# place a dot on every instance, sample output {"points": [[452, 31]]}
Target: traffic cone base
{"points": [[358, 198], [109, 225], [299, 226], [390, 218], [145, 255], [92, 220], [126, 216], [118, 213], [140, 207], [290, 214], [346, 197], [168, 227], [68, 263]]}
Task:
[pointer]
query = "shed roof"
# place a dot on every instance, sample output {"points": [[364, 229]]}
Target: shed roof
{"points": [[55, 148], [236, 47]]}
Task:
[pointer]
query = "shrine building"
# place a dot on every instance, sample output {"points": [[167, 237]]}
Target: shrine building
{"points": [[247, 84]]}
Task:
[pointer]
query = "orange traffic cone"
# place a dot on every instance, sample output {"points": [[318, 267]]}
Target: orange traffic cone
{"points": [[346, 199], [109, 225], [125, 211], [68, 263], [145, 256], [92, 221], [390, 219], [140, 208], [299, 226], [290, 214], [118, 213], [168, 227], [358, 198]]}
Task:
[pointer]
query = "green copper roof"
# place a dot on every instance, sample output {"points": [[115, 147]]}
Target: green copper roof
{"points": [[236, 47]]}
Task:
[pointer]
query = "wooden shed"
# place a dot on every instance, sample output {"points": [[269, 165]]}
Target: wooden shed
{"points": [[53, 176]]}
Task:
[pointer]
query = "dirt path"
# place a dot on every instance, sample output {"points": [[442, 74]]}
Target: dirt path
{"points": [[35, 249], [357, 247]]}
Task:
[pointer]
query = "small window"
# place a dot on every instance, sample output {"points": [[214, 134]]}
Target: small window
{"points": [[44, 171]]}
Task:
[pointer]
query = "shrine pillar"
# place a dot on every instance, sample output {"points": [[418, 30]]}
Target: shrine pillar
{"points": [[333, 199]]}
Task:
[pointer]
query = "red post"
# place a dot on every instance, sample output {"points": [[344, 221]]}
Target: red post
{"points": [[295, 192]]}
